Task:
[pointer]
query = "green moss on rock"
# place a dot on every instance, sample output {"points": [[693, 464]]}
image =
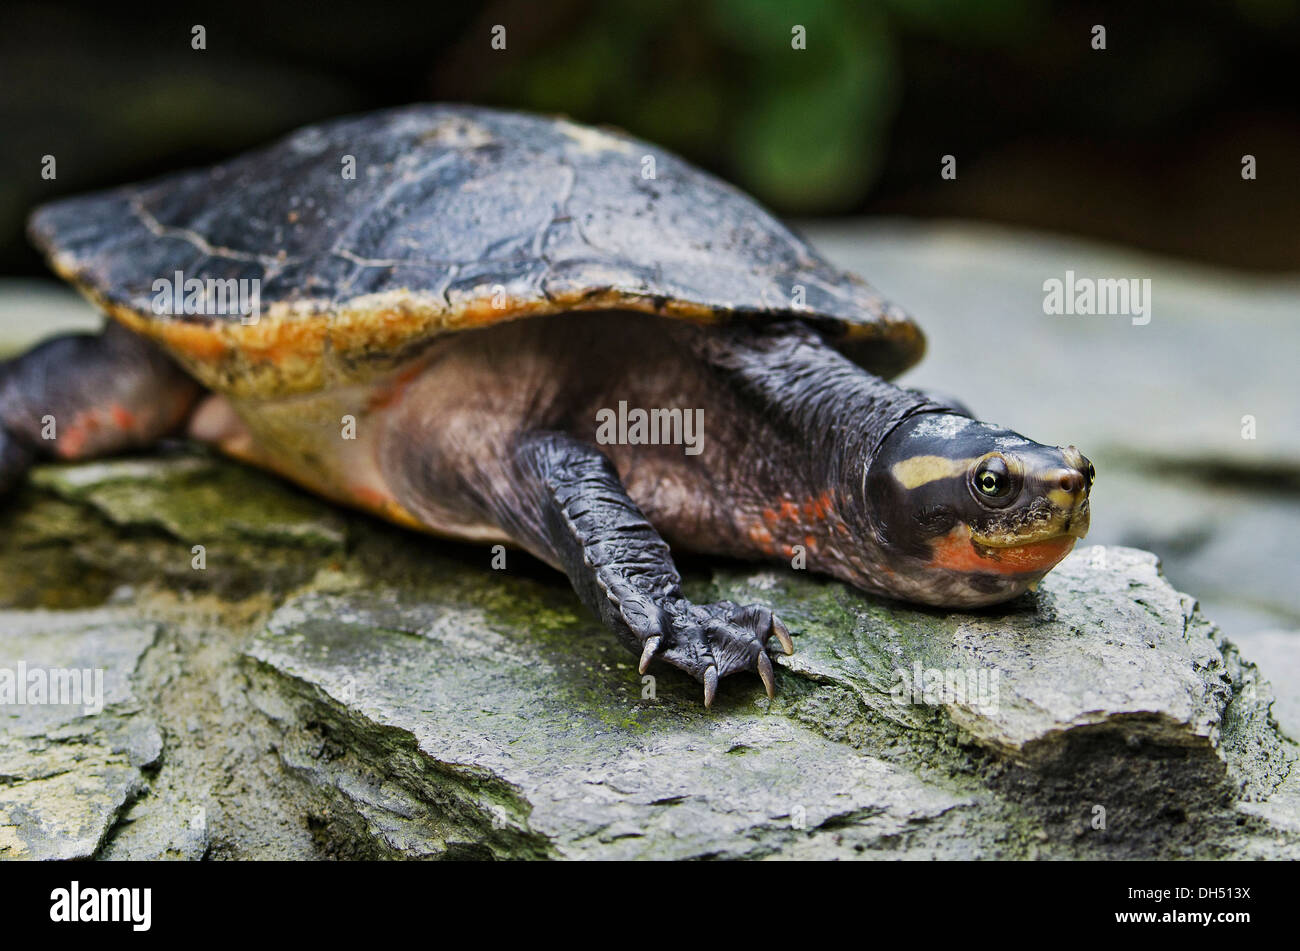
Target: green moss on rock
{"points": [[332, 686]]}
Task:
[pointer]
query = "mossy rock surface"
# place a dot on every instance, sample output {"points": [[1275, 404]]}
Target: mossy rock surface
{"points": [[330, 686]]}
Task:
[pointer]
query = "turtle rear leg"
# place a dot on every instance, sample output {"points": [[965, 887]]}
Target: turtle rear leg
{"points": [[85, 395], [564, 501]]}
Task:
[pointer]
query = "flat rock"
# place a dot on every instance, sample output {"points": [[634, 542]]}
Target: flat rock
{"points": [[544, 745], [1104, 642], [192, 498], [68, 770], [538, 738]]}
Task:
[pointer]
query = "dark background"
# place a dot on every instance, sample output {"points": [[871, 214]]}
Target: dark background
{"points": [[1140, 143]]}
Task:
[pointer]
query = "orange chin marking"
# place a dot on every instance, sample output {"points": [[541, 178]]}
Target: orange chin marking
{"points": [[1040, 556], [957, 552]]}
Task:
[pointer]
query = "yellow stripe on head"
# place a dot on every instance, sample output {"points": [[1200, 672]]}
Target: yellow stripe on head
{"points": [[919, 470]]}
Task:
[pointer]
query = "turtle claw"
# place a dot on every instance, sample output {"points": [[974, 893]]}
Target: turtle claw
{"points": [[648, 652], [710, 685], [783, 635], [710, 641], [765, 672]]}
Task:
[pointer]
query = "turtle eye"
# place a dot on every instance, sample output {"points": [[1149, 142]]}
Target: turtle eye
{"points": [[992, 480]]}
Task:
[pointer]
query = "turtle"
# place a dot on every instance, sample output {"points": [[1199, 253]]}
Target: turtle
{"points": [[515, 329]]}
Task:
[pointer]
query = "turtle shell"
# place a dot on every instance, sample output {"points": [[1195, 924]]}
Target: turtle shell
{"points": [[364, 237]]}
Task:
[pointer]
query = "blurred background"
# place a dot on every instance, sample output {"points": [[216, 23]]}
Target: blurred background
{"points": [[1129, 144], [1117, 162]]}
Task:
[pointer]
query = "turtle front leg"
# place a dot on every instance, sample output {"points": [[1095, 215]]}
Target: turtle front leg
{"points": [[86, 395], [567, 505]]}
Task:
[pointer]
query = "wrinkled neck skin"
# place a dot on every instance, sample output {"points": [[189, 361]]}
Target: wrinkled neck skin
{"points": [[822, 418], [874, 483]]}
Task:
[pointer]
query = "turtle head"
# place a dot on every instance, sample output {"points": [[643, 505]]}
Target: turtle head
{"points": [[972, 513]]}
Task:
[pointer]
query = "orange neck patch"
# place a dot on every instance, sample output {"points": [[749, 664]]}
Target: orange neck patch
{"points": [[956, 551]]}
